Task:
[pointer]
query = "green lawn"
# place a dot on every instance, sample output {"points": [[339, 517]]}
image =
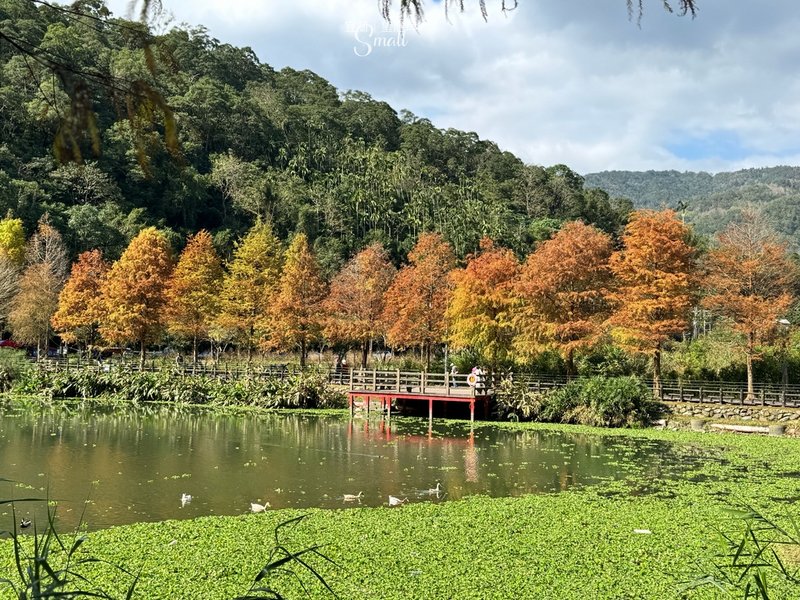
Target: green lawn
{"points": [[570, 545]]}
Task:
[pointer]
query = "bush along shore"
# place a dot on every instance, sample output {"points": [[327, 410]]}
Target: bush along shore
{"points": [[297, 390]]}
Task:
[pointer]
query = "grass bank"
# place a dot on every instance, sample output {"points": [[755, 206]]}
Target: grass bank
{"points": [[579, 544]]}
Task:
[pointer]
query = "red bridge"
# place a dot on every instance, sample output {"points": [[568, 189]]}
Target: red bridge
{"points": [[402, 386]]}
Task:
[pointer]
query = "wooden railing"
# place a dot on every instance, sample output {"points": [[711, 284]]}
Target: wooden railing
{"points": [[422, 382]]}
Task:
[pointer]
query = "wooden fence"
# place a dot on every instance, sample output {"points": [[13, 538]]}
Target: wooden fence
{"points": [[702, 392]]}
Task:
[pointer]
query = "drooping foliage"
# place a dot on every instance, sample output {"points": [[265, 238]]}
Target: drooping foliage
{"points": [[284, 146]]}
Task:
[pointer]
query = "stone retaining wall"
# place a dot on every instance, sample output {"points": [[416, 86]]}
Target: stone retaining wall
{"points": [[775, 414]]}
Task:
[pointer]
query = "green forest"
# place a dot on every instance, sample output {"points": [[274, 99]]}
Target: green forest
{"points": [[284, 146], [711, 202]]}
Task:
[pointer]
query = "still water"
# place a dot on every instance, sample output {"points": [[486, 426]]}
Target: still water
{"points": [[135, 465]]}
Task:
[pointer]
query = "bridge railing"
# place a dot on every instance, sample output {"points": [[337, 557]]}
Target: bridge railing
{"points": [[420, 382], [408, 382]]}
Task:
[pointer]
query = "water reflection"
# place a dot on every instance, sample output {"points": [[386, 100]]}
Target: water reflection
{"points": [[136, 465]]}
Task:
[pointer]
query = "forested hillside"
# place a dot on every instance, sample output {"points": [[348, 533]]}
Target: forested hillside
{"points": [[712, 201], [284, 146]]}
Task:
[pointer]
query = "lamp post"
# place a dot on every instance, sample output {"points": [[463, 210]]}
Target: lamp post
{"points": [[785, 324]]}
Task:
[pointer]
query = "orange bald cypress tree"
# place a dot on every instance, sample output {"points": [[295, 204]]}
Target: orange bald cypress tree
{"points": [[134, 292], [479, 313], [193, 291], [655, 273], [80, 305], [296, 315], [355, 302], [562, 293], [750, 278], [416, 302]]}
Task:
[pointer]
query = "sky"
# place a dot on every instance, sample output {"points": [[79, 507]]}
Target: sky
{"points": [[554, 81]]}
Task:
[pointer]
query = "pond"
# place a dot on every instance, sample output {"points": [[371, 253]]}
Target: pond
{"points": [[125, 466]]}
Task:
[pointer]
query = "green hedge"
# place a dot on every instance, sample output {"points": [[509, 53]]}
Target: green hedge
{"points": [[597, 401]]}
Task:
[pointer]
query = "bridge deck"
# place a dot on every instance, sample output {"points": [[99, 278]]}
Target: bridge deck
{"points": [[388, 386]]}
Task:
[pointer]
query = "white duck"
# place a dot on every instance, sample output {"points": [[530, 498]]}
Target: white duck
{"points": [[395, 501], [352, 497], [185, 499], [257, 508]]}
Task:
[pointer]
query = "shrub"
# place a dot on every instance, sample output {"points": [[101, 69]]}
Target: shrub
{"points": [[598, 401]]}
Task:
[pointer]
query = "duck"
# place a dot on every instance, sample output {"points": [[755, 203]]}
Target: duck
{"points": [[185, 499], [435, 490], [352, 497], [257, 508], [24, 523], [395, 501]]}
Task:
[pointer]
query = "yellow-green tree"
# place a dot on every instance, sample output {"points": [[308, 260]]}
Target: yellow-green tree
{"points": [[80, 305], [479, 313], [562, 292], [354, 304], [655, 279], [134, 292], [12, 240], [415, 303], [248, 288], [193, 292], [295, 316]]}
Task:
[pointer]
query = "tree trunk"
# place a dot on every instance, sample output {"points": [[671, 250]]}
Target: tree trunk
{"points": [[657, 373], [141, 354], [570, 360], [303, 352], [751, 348], [364, 354], [194, 349]]}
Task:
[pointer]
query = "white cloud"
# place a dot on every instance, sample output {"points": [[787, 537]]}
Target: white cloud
{"points": [[556, 82]]}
